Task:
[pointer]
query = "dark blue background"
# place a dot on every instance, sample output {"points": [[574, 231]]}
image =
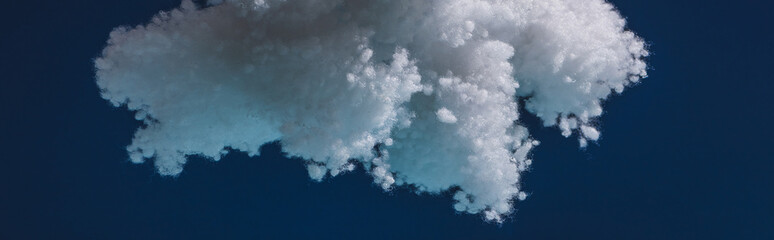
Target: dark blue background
{"points": [[685, 155]]}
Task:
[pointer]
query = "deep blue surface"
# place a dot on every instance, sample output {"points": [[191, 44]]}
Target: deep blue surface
{"points": [[685, 155]]}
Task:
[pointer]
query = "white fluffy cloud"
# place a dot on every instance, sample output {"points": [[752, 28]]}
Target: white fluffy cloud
{"points": [[421, 93]]}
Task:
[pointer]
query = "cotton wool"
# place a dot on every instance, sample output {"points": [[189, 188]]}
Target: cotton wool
{"points": [[420, 93]]}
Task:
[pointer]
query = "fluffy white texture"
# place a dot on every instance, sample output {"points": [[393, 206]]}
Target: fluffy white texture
{"points": [[434, 84], [446, 116]]}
